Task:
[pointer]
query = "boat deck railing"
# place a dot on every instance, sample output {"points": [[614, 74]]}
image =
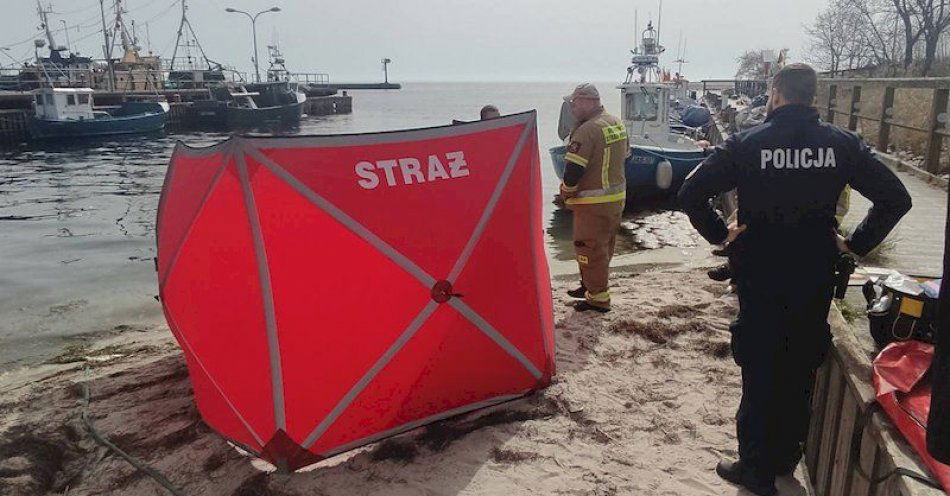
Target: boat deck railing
{"points": [[309, 77]]}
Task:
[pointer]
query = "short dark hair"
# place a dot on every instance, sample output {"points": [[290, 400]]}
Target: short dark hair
{"points": [[798, 83], [486, 109]]}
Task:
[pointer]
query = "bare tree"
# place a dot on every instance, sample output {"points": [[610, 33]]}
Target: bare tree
{"points": [[826, 45], [934, 19], [854, 29], [878, 29], [749, 63], [852, 34], [906, 11]]}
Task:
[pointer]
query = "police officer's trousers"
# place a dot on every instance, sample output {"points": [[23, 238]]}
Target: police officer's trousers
{"points": [[595, 235], [780, 338]]}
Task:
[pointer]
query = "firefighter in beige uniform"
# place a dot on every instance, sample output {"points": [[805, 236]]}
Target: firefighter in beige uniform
{"points": [[594, 188]]}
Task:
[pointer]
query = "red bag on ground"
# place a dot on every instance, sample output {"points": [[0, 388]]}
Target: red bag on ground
{"points": [[904, 393]]}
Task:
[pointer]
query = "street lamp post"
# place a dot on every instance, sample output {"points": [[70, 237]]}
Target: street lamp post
{"points": [[253, 18]]}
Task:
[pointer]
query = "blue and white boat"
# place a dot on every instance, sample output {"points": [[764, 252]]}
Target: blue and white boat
{"points": [[62, 113], [660, 158]]}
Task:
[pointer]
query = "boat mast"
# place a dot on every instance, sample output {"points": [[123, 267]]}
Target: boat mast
{"points": [[37, 44], [121, 26], [107, 47], [192, 36], [53, 47]]}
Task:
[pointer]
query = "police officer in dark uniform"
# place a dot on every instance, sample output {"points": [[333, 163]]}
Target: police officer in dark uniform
{"points": [[789, 173]]}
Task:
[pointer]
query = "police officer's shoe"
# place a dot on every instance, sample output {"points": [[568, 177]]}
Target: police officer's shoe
{"points": [[738, 473], [721, 273], [579, 293], [583, 306]]}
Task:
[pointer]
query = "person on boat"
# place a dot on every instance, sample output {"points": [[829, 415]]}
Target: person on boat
{"points": [[789, 173], [594, 188], [489, 112]]}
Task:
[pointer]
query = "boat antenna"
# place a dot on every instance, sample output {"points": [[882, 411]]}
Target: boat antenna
{"points": [[681, 59], [679, 45], [659, 19], [636, 29]]}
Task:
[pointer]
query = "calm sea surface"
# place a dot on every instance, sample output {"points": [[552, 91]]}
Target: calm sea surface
{"points": [[77, 222]]}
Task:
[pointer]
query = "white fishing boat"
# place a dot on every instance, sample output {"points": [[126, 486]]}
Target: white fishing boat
{"points": [[660, 157]]}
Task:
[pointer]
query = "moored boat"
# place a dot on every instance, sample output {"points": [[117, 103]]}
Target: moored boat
{"points": [[62, 113], [250, 105], [660, 157]]}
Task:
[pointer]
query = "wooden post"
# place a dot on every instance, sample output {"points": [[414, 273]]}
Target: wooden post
{"points": [[938, 113], [887, 111], [819, 398], [832, 96], [842, 466], [829, 436], [869, 460], [855, 104]]}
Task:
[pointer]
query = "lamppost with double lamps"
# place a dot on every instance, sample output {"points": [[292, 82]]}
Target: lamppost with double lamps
{"points": [[253, 18]]}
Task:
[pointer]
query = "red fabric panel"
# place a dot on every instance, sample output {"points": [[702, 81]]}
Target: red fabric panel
{"points": [[214, 295], [339, 302], [215, 409], [187, 183], [449, 363], [898, 373], [510, 304], [429, 222], [541, 271]]}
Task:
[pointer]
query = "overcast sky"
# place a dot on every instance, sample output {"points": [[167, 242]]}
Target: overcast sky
{"points": [[445, 40]]}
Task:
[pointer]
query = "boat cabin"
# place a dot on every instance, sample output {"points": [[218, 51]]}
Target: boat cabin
{"points": [[645, 108], [63, 104]]}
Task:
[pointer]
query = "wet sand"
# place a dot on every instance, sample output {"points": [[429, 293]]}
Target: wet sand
{"points": [[642, 404]]}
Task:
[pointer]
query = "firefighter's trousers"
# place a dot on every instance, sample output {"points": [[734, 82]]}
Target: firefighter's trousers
{"points": [[595, 234]]}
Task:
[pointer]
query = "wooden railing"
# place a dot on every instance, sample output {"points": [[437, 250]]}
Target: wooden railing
{"points": [[855, 107], [747, 87]]}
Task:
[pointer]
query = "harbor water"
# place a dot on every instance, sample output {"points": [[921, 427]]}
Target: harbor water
{"points": [[77, 221]]}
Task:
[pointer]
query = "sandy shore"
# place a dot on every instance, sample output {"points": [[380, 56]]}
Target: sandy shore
{"points": [[643, 404]]}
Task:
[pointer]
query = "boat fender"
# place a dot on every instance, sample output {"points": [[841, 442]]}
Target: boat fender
{"points": [[664, 175]]}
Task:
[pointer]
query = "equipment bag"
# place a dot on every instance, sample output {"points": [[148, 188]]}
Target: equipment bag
{"points": [[901, 309]]}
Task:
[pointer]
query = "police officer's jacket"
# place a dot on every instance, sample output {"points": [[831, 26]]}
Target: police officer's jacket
{"points": [[789, 173]]}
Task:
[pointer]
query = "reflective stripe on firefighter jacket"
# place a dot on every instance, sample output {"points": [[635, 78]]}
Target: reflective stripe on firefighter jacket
{"points": [[600, 145]]}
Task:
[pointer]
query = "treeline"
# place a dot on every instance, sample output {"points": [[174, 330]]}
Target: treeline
{"points": [[882, 37]]}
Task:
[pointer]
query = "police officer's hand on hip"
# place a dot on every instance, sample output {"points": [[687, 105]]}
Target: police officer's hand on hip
{"points": [[789, 173]]}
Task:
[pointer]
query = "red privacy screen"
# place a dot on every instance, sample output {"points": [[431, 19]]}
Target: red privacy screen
{"points": [[331, 291]]}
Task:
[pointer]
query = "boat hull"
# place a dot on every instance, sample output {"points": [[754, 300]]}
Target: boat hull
{"points": [[41, 129], [220, 114], [641, 169]]}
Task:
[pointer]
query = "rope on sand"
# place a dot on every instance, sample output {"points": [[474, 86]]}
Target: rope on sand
{"points": [[102, 440]]}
